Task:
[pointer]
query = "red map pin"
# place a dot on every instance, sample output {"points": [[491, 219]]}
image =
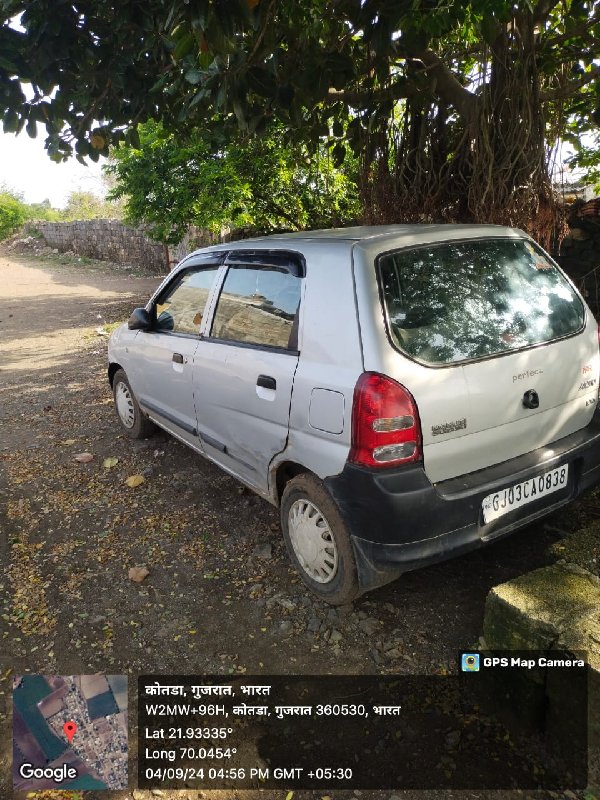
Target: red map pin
{"points": [[70, 728]]}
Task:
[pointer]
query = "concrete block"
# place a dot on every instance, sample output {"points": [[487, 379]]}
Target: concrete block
{"points": [[555, 608], [531, 611]]}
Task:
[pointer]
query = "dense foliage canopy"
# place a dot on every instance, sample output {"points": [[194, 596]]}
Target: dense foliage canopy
{"points": [[13, 214], [453, 107], [88, 205], [262, 183]]}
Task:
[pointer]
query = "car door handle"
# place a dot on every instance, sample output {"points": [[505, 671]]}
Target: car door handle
{"points": [[266, 381], [178, 358]]}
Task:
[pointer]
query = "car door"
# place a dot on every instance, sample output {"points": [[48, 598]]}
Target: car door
{"points": [[163, 357], [244, 367]]}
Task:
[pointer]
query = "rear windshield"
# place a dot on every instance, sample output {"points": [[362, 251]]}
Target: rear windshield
{"points": [[454, 301]]}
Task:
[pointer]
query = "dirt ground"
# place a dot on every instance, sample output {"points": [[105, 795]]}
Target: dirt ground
{"points": [[220, 596]]}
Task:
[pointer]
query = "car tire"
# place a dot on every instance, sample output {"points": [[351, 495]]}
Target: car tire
{"points": [[132, 421], [318, 541]]}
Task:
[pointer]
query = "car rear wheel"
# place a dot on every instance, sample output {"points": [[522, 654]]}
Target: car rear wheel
{"points": [[318, 541], [133, 422]]}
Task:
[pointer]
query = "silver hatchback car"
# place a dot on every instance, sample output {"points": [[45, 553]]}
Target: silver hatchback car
{"points": [[402, 393]]}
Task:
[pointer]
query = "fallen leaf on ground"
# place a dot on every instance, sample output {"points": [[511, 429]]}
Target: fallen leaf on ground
{"points": [[69, 441], [134, 480], [108, 463], [138, 574], [84, 458]]}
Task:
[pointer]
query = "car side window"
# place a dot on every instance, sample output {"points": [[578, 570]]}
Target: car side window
{"points": [[259, 305], [181, 306]]}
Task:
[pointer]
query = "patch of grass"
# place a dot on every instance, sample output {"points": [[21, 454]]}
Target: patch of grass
{"points": [[109, 327], [106, 328]]}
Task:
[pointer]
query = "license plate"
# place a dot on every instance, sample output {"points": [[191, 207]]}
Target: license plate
{"points": [[499, 503]]}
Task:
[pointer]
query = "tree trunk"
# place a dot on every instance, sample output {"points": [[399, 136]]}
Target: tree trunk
{"points": [[486, 162]]}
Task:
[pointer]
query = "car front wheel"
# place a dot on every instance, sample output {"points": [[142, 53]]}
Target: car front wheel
{"points": [[133, 422], [318, 541]]}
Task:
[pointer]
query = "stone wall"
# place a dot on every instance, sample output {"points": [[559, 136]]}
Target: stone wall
{"points": [[111, 240], [106, 239]]}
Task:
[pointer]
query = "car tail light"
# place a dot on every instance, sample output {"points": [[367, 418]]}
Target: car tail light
{"points": [[385, 423]]}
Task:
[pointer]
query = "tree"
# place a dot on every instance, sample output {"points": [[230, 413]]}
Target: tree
{"points": [[13, 215], [262, 183], [452, 107], [14, 212], [87, 205]]}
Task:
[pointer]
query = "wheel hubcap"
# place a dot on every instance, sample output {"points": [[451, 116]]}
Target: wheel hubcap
{"points": [[313, 541], [125, 407]]}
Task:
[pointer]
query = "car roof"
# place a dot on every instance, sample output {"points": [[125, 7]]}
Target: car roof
{"points": [[359, 232], [371, 233]]}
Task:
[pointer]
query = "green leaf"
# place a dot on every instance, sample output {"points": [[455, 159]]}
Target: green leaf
{"points": [[193, 76], [82, 147], [184, 46], [10, 121], [132, 138], [338, 153], [201, 95]]}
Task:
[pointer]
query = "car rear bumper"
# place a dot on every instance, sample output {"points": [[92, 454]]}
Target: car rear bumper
{"points": [[400, 521]]}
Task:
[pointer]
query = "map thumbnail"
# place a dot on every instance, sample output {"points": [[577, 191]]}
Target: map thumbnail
{"points": [[69, 732]]}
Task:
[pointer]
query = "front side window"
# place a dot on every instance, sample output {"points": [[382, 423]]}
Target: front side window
{"points": [[181, 307], [258, 305], [455, 301]]}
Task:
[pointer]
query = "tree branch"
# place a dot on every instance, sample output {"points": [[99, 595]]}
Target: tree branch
{"points": [[262, 32], [447, 85], [358, 98], [570, 88], [444, 84]]}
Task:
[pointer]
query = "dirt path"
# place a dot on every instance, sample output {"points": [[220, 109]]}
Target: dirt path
{"points": [[220, 597]]}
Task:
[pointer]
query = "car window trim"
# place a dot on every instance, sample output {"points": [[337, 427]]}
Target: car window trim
{"points": [[270, 348], [285, 260]]}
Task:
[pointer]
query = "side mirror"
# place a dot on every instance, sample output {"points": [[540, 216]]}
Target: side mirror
{"points": [[139, 320]]}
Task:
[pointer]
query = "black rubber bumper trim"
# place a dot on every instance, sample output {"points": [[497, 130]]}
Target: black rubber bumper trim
{"points": [[400, 521]]}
